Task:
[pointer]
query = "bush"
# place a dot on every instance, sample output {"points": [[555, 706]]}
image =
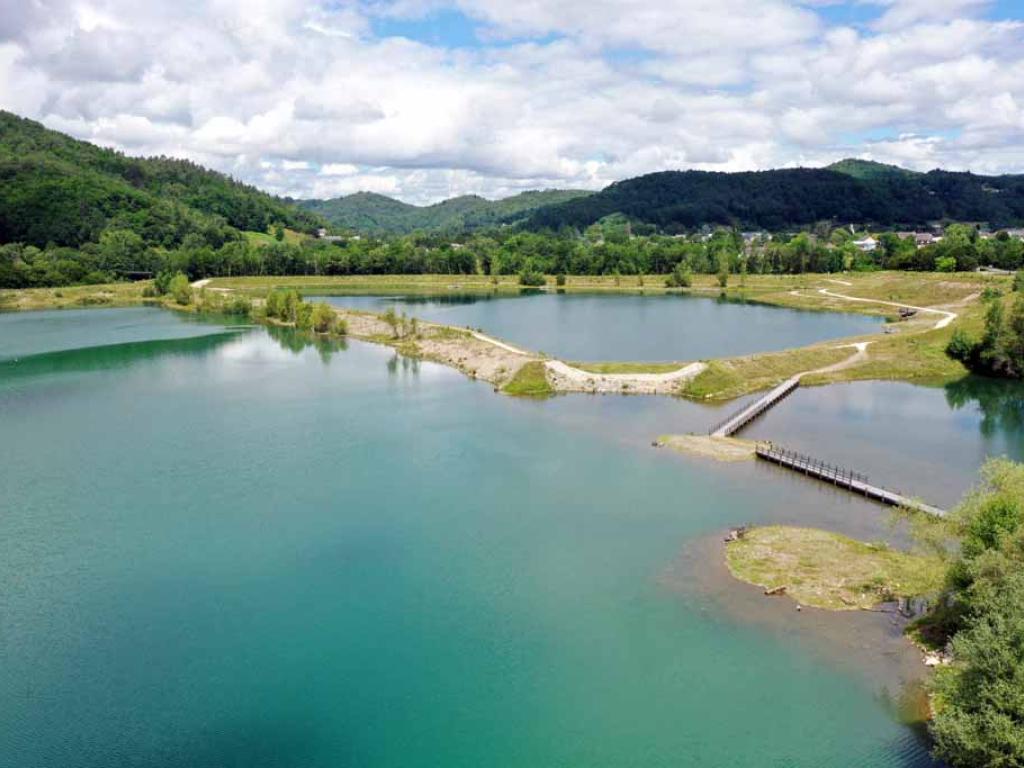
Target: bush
{"points": [[325, 320], [945, 264], [531, 278], [238, 305], [283, 304], [180, 290], [303, 316], [162, 282], [681, 277], [961, 347], [560, 279]]}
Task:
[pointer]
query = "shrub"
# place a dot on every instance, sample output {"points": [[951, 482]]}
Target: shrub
{"points": [[961, 347], [560, 279], [162, 282], [180, 290], [324, 318], [303, 316], [238, 305], [945, 264], [681, 277], [531, 278]]}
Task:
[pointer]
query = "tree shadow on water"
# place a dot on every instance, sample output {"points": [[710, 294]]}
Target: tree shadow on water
{"points": [[296, 342], [1001, 402]]}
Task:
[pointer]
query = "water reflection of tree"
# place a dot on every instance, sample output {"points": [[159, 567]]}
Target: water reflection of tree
{"points": [[1001, 402], [297, 341], [406, 364]]}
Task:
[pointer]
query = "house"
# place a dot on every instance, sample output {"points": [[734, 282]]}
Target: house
{"points": [[866, 244], [321, 233], [920, 239]]}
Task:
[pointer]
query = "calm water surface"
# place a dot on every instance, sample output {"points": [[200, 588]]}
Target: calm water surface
{"points": [[624, 327], [925, 441], [240, 550]]}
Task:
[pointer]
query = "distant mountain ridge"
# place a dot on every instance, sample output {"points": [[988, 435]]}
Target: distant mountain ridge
{"points": [[378, 214], [850, 191], [57, 190]]}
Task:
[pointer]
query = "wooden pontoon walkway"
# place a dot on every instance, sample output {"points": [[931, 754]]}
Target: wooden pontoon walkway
{"points": [[844, 478]]}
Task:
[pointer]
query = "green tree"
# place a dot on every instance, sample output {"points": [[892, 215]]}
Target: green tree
{"points": [[179, 289], [303, 316], [324, 318], [979, 699], [681, 276]]}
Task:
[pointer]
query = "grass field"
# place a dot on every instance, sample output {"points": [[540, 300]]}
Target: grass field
{"points": [[263, 238], [74, 297], [531, 380], [828, 570]]}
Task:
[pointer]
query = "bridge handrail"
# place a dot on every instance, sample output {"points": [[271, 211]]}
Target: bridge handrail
{"points": [[819, 466], [751, 411]]}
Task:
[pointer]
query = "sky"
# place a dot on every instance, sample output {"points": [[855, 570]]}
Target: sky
{"points": [[428, 99]]}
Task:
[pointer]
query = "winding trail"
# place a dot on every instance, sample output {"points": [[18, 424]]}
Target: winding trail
{"points": [[947, 317], [856, 358]]}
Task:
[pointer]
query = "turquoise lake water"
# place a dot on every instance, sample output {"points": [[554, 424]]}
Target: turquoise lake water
{"points": [[238, 549], [626, 327]]}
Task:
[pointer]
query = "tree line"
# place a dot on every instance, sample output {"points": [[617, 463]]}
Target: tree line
{"points": [[611, 248]]}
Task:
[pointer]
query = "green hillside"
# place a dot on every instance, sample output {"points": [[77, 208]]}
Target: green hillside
{"points": [[376, 214], [57, 190], [868, 169], [859, 192]]}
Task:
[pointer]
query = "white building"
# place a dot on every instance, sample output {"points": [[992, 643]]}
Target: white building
{"points": [[867, 244]]}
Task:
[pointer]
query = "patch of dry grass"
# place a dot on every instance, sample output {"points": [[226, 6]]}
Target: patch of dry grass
{"points": [[827, 570]]}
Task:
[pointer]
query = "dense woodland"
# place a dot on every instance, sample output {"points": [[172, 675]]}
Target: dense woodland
{"points": [[850, 191]]}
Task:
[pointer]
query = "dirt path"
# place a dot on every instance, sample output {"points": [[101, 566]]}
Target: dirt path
{"points": [[947, 317], [566, 378], [855, 359], [501, 344]]}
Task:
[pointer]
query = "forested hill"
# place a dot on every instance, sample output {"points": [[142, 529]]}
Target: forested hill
{"points": [[377, 214], [851, 191], [55, 189]]}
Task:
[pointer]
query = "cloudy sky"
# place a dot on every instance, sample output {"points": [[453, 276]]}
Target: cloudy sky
{"points": [[424, 99]]}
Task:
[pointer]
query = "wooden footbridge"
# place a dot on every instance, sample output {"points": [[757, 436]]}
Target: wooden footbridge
{"points": [[733, 424], [841, 477], [808, 465]]}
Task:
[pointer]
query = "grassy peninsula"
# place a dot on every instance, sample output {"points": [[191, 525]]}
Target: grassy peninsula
{"points": [[827, 570]]}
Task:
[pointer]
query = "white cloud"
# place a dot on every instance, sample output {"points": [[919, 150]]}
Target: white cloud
{"points": [[301, 98]]}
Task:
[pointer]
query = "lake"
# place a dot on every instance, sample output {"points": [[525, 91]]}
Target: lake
{"points": [[240, 549], [626, 327]]}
